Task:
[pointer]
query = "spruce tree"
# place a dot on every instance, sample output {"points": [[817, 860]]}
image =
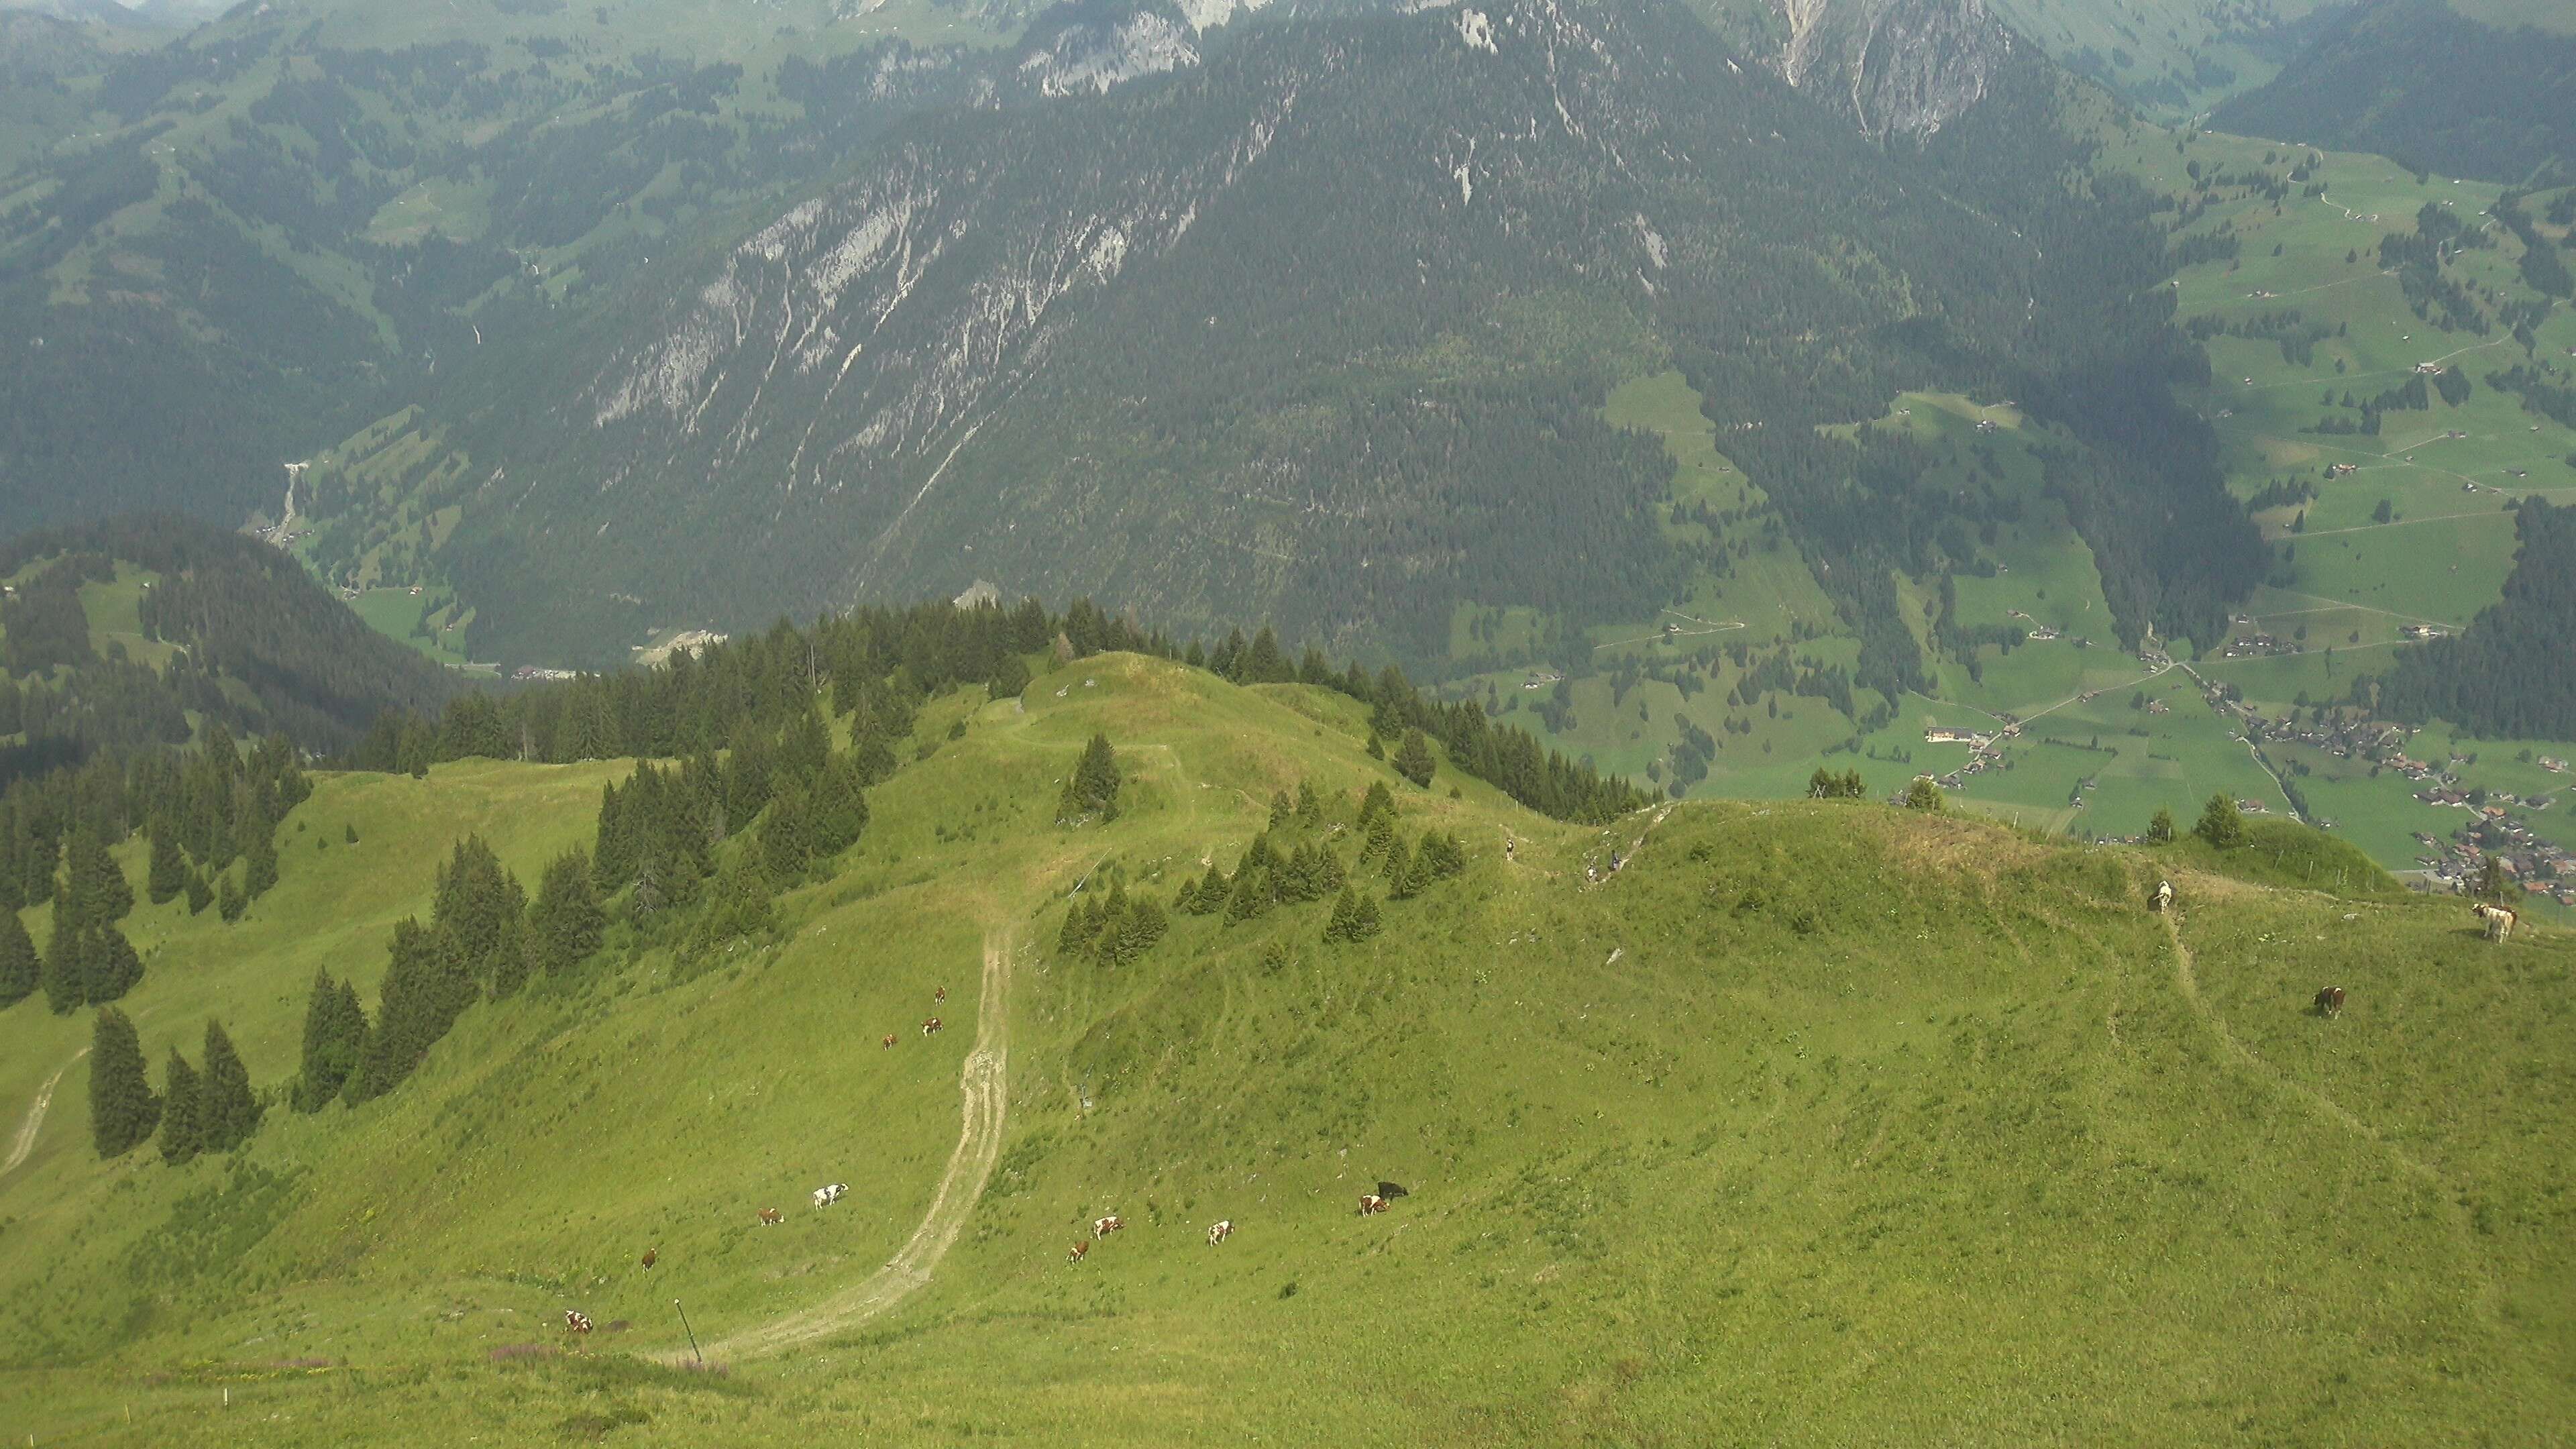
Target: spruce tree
{"points": [[20, 972], [2160, 830], [739, 905], [230, 901], [1310, 806], [113, 966], [1402, 881], [1364, 921], [182, 1132], [261, 872], [1413, 758], [566, 924], [786, 838], [1250, 896], [228, 1111], [1346, 910], [1282, 809], [840, 808], [335, 1029], [66, 966], [1092, 789], [168, 875], [1144, 925], [94, 877], [122, 1109], [2221, 823]]}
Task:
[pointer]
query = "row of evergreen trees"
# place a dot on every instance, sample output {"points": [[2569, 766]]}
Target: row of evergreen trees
{"points": [[204, 811], [878, 665], [198, 1110], [485, 940]]}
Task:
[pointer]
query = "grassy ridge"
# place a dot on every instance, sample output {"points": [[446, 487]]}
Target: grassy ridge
{"points": [[1816, 1122]]}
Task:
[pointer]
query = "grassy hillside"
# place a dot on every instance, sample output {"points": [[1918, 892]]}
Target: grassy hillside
{"points": [[1823, 1123]]}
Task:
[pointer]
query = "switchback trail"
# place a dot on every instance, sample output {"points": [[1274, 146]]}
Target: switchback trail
{"points": [[27, 1130], [984, 1085]]}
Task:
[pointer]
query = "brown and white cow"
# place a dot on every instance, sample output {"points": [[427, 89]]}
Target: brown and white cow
{"points": [[930, 1026], [575, 1322], [771, 1217], [940, 995], [1371, 1203], [1081, 1250], [888, 1044], [1219, 1232], [2499, 920], [1103, 1227], [2329, 1000]]}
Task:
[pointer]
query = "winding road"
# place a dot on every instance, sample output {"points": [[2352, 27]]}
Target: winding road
{"points": [[984, 1087]]}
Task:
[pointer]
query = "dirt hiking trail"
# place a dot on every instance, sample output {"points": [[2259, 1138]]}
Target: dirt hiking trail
{"points": [[984, 1087], [25, 1141]]}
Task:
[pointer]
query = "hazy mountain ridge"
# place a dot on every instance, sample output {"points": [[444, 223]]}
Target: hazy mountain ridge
{"points": [[836, 377]]}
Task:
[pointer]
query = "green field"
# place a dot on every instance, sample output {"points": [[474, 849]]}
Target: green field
{"points": [[1817, 1124]]}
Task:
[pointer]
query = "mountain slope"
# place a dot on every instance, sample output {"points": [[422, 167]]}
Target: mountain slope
{"points": [[116, 633], [1315, 332], [1825, 1117], [2420, 81]]}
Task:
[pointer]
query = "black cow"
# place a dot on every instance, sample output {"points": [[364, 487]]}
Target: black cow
{"points": [[1392, 1189], [2329, 1000]]}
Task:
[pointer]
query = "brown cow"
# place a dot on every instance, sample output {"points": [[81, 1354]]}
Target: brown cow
{"points": [[2329, 1000], [940, 995], [771, 1217], [652, 1256], [1371, 1203], [889, 1041], [1103, 1227], [1080, 1251]]}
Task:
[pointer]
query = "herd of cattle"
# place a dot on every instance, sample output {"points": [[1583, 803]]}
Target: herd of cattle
{"points": [[2498, 922]]}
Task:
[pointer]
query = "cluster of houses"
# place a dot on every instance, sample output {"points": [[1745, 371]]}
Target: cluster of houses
{"points": [[2537, 867], [527, 672]]}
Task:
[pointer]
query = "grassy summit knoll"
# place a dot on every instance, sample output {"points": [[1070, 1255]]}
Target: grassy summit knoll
{"points": [[1817, 1122]]}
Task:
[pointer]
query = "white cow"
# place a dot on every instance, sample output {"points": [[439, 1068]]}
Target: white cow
{"points": [[2164, 896], [1219, 1232], [2499, 920], [830, 1193]]}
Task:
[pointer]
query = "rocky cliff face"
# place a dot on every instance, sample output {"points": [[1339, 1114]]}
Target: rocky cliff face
{"points": [[1897, 67]]}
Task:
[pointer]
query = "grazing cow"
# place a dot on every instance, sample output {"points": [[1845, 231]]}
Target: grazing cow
{"points": [[2329, 1000], [889, 1041], [652, 1256], [575, 1322], [1371, 1203], [1080, 1251], [771, 1217], [1103, 1227], [2163, 898], [1392, 1190], [930, 1026], [940, 995], [1219, 1232], [2499, 920], [830, 1193]]}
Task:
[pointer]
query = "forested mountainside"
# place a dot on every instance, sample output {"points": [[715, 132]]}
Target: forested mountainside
{"points": [[2508, 675], [231, 247], [1316, 332], [2420, 81], [130, 632], [1178, 298]]}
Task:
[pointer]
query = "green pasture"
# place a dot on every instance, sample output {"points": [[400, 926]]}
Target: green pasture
{"points": [[1811, 1124]]}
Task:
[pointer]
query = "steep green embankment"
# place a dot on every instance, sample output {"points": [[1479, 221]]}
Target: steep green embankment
{"points": [[1815, 1122]]}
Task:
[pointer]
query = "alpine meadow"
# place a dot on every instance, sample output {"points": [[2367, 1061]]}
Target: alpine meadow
{"points": [[1172, 722]]}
